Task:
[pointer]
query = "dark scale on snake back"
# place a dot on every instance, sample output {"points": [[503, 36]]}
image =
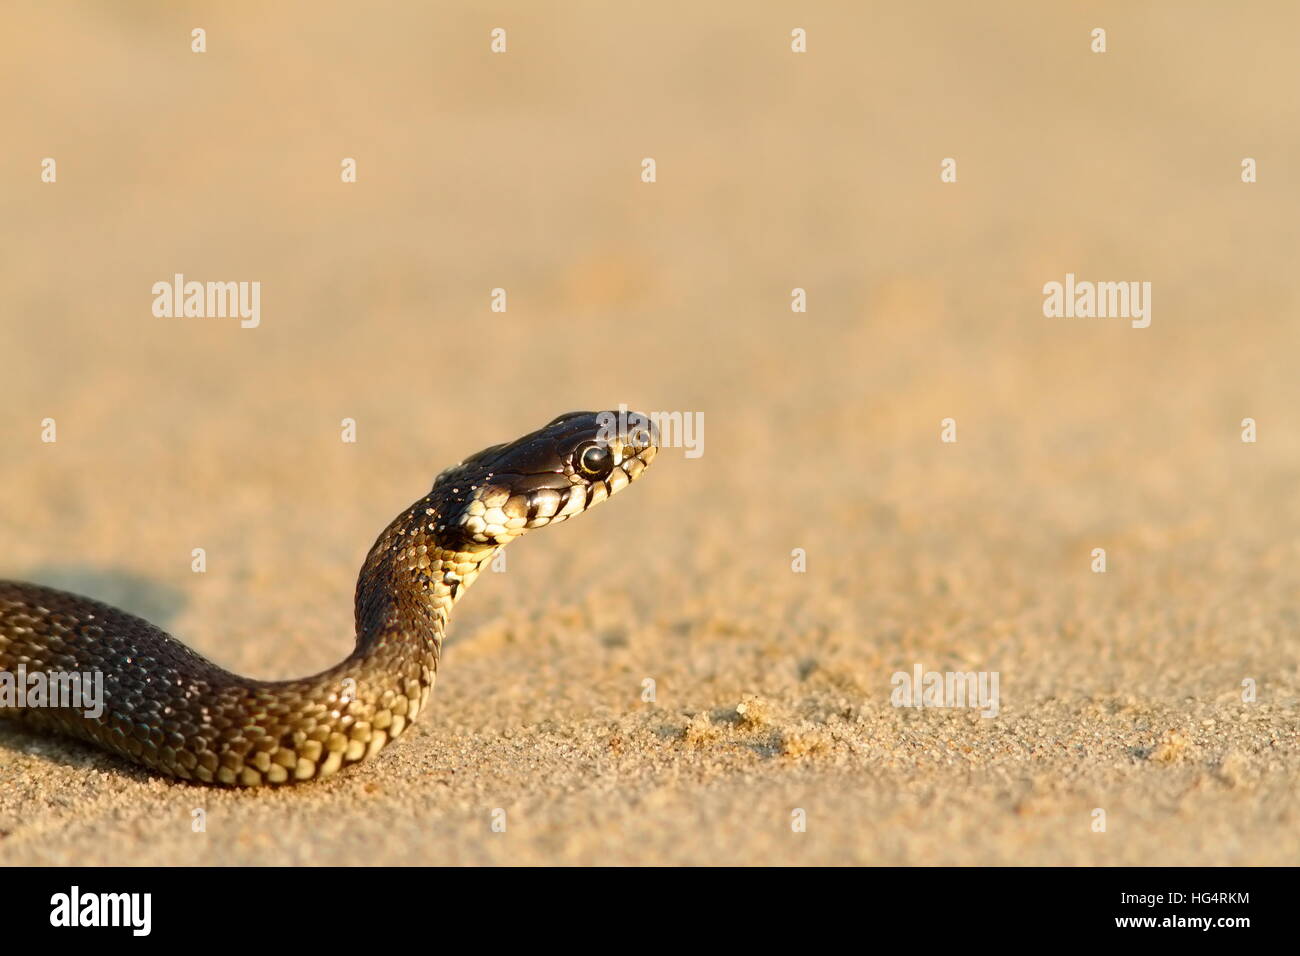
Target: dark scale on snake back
{"points": [[171, 710]]}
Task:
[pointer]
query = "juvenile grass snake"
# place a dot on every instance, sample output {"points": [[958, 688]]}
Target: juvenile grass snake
{"points": [[171, 710]]}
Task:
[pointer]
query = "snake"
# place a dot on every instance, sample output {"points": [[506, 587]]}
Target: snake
{"points": [[170, 710]]}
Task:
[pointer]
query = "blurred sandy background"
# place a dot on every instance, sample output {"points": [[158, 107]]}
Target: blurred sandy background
{"points": [[1120, 691]]}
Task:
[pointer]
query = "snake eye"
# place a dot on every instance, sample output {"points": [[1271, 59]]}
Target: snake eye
{"points": [[594, 460]]}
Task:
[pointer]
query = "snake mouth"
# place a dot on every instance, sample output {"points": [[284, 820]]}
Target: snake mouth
{"points": [[636, 458]]}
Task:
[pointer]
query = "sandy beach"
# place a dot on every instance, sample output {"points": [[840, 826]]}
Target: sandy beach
{"points": [[1163, 693]]}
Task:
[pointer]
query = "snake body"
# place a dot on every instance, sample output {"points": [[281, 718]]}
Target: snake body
{"points": [[171, 710]]}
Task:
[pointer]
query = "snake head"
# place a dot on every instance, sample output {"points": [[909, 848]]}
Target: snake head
{"points": [[547, 476]]}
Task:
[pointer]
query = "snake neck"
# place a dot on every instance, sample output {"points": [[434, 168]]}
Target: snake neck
{"points": [[411, 579]]}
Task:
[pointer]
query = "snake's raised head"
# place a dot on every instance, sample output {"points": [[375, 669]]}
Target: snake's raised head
{"points": [[547, 476]]}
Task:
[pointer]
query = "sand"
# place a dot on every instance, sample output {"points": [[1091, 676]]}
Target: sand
{"points": [[772, 737]]}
